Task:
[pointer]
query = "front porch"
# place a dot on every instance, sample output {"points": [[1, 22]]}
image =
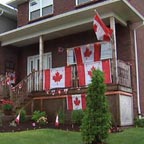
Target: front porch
{"points": [[31, 95]]}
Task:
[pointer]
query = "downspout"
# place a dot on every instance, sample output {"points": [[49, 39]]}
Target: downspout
{"points": [[137, 68]]}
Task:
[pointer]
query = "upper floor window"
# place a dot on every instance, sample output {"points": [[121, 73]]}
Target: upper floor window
{"points": [[78, 2], [39, 8]]}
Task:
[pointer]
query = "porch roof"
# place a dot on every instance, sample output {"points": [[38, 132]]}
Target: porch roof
{"points": [[71, 22]]}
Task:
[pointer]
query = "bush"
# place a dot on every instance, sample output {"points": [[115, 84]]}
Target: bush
{"points": [[139, 122], [97, 118], [22, 115], [37, 115], [62, 116], [77, 116]]}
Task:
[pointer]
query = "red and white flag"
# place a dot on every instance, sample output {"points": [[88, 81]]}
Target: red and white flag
{"points": [[88, 53], [101, 30], [57, 121], [17, 120], [85, 71], [58, 77], [76, 102]]}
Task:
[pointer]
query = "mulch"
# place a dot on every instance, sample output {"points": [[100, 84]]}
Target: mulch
{"points": [[28, 125]]}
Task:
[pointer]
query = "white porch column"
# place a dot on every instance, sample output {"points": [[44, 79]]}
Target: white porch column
{"points": [[114, 52], [41, 49]]}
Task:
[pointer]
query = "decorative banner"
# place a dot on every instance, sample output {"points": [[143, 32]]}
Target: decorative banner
{"points": [[58, 78], [87, 53], [85, 71], [76, 102]]}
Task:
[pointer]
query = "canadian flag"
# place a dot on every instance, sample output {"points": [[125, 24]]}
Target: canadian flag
{"points": [[17, 120], [58, 77], [88, 53], [57, 121], [101, 30], [85, 71], [76, 102]]}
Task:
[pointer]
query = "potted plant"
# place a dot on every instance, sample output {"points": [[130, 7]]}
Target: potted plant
{"points": [[7, 106]]}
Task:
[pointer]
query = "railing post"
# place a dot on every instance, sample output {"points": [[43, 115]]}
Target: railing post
{"points": [[114, 52], [41, 49]]}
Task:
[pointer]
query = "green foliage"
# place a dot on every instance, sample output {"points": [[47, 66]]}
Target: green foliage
{"points": [[37, 115], [7, 104], [97, 118], [139, 122], [62, 116], [77, 116], [22, 115]]}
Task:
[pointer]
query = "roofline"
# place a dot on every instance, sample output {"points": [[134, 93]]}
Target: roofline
{"points": [[133, 9], [15, 3], [8, 11]]}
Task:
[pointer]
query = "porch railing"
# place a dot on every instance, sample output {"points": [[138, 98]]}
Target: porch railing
{"points": [[34, 82]]}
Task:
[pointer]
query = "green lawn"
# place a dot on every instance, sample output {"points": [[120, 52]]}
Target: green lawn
{"points": [[128, 136], [51, 136]]}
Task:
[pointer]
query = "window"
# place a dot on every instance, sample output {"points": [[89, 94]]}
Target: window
{"points": [[70, 57], [39, 8], [78, 2]]}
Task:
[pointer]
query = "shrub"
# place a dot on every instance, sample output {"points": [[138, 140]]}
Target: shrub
{"points": [[62, 116], [22, 115], [97, 118], [139, 122], [39, 117], [7, 104], [77, 116]]}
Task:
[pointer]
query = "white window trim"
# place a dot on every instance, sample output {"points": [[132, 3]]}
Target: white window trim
{"points": [[81, 3], [40, 8]]}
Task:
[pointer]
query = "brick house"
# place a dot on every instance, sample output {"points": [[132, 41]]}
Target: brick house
{"points": [[47, 33]]}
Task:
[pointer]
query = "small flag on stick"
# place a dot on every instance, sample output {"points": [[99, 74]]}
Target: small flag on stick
{"points": [[17, 120], [57, 121]]}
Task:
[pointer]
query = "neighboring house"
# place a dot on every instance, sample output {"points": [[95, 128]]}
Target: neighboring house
{"points": [[8, 18], [47, 33]]}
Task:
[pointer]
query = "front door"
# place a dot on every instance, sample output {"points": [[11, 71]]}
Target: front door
{"points": [[33, 66]]}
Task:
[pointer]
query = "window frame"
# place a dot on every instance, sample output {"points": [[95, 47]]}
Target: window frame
{"points": [[40, 8], [77, 2]]}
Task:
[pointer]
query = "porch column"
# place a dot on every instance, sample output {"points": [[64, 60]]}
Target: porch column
{"points": [[114, 51], [41, 49]]}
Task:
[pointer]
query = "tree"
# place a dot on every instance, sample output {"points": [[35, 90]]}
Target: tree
{"points": [[97, 118]]}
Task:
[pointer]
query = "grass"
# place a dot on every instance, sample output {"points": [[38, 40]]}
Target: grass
{"points": [[44, 136], [128, 136], [52, 136]]}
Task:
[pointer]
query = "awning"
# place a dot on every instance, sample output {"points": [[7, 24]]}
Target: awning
{"points": [[71, 22]]}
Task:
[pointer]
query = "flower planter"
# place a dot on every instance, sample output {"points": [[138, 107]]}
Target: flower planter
{"points": [[7, 112]]}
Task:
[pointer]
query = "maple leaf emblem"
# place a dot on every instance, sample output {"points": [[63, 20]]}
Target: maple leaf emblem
{"points": [[91, 71], [87, 52], [57, 77], [76, 101]]}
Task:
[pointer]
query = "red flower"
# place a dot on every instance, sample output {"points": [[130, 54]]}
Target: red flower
{"points": [[7, 104]]}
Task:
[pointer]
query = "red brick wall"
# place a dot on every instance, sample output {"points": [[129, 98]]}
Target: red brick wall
{"points": [[23, 14]]}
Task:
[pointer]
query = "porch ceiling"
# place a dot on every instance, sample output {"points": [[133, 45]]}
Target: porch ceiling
{"points": [[71, 22]]}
